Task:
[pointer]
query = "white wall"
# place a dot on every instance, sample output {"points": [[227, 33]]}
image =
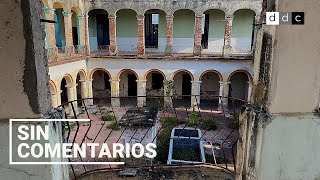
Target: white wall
{"points": [[290, 149]]}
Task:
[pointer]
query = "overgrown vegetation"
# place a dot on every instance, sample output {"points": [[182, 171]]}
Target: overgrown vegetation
{"points": [[235, 124], [163, 139], [209, 124], [194, 118], [169, 87], [108, 117], [114, 125], [186, 155]]}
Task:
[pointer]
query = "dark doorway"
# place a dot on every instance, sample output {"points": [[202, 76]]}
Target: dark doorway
{"points": [[106, 81], [151, 30], [132, 85], [157, 81], [205, 31], [103, 29], [64, 95], [186, 84], [75, 36]]}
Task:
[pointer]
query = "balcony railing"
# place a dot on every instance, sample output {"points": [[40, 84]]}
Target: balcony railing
{"points": [[153, 123], [127, 50], [212, 51], [100, 50], [182, 50], [242, 50], [79, 50], [155, 51]]}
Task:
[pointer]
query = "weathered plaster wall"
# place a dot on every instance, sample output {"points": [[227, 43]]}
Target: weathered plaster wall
{"points": [[290, 148], [242, 26], [295, 84], [127, 30], [168, 67]]}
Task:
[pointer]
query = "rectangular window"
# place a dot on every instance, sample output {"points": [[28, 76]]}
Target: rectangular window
{"points": [[151, 30]]}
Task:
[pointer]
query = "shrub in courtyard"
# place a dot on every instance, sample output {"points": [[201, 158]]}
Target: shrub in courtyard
{"points": [[108, 117], [114, 125], [235, 124], [209, 124], [194, 118], [163, 138]]}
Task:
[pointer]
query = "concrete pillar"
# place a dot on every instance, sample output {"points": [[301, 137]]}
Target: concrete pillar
{"points": [[68, 32], [169, 35], [90, 92], [72, 96], [224, 93], [115, 91], [168, 93], [54, 100], [84, 89], [197, 36], [227, 49], [255, 32], [113, 35], [59, 97], [249, 91], [81, 33], [50, 33], [141, 41], [141, 91], [195, 92], [87, 41]]}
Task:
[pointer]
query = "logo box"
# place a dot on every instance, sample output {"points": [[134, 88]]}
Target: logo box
{"points": [[285, 18]]}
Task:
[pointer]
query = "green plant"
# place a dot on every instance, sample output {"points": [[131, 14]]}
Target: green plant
{"points": [[186, 154], [194, 118], [163, 138], [108, 117], [209, 124], [114, 125], [169, 86], [235, 124]]}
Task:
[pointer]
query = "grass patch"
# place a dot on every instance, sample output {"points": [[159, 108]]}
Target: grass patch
{"points": [[209, 124], [108, 117], [186, 155], [163, 138], [114, 125]]}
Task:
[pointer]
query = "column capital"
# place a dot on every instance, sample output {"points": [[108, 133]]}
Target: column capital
{"points": [[89, 80], [198, 16], [250, 83], [66, 14], [169, 16], [82, 81], [81, 16], [224, 82], [228, 17], [48, 10], [143, 81], [112, 16], [114, 80], [140, 17], [196, 82]]}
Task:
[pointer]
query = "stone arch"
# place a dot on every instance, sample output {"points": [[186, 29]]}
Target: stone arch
{"points": [[69, 79], [60, 5], [77, 10], [96, 69], [182, 70], [154, 70], [211, 71], [83, 74], [117, 77], [53, 87], [255, 10], [243, 71]]}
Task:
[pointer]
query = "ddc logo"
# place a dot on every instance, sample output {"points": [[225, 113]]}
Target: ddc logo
{"points": [[288, 18]]}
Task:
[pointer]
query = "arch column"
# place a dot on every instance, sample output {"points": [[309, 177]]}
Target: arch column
{"points": [[255, 32], [249, 91], [71, 93], [81, 33], [169, 35], [54, 100], [115, 91], [50, 33], [87, 43], [84, 89], [197, 36], [141, 91], [227, 49], [90, 92], [113, 35], [141, 41], [68, 32], [168, 93], [195, 92], [223, 94], [59, 97]]}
